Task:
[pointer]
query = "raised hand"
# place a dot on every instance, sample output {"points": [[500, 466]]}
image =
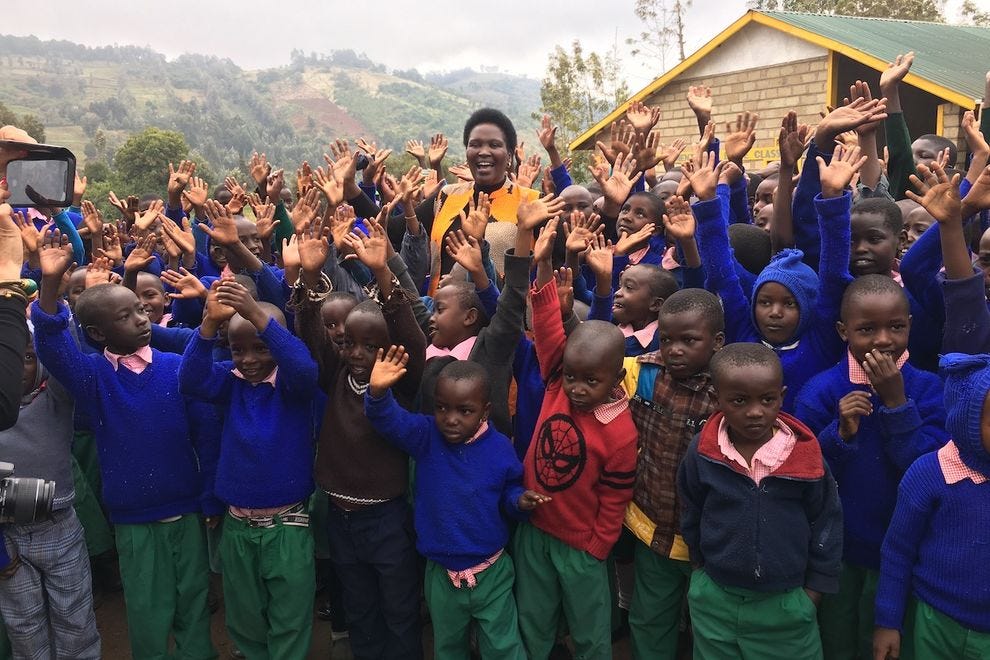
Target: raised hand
{"points": [[415, 149], [260, 168], [409, 185], [642, 117], [216, 312], [791, 141], [187, 286], [530, 499], [547, 133], [861, 90], [311, 247], [142, 255], [78, 189], [128, 208], [974, 137], [112, 249], [896, 71], [544, 242], [838, 174], [621, 135], [599, 257], [222, 229], [580, 230], [852, 408], [304, 211], [565, 290], [630, 242], [739, 140], [478, 214], [618, 186], [432, 184], [178, 179], [233, 294], [437, 150], [978, 198], [646, 150], [196, 193], [528, 171], [372, 249], [462, 172], [181, 236], [264, 220], [30, 236], [341, 224], [939, 195], [389, 369], [276, 181], [304, 179], [331, 184], [529, 214], [670, 154], [100, 271], [55, 254], [465, 250], [92, 219], [699, 99], [143, 221], [849, 117], [678, 220], [704, 177]]}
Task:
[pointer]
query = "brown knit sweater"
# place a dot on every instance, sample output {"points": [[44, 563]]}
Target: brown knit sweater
{"points": [[352, 459]]}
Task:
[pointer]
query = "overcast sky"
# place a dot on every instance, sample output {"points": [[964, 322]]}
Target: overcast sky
{"points": [[515, 35]]}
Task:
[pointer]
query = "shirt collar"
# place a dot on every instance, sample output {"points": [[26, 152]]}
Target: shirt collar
{"points": [[270, 379], [771, 455], [477, 434], [644, 336], [462, 351], [144, 354], [953, 468], [608, 411], [857, 375]]}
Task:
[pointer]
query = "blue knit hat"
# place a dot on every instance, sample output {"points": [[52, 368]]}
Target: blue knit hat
{"points": [[787, 268], [967, 381]]}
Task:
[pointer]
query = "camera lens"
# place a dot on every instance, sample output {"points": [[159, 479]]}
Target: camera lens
{"points": [[24, 500]]}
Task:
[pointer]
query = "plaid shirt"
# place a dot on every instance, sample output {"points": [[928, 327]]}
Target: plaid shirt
{"points": [[666, 425]]}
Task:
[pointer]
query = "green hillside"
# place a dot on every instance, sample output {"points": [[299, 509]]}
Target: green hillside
{"points": [[92, 99]]}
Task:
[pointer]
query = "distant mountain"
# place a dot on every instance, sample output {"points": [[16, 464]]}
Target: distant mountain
{"points": [[91, 99]]}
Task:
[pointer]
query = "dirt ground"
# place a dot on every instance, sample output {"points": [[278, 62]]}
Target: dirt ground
{"points": [[111, 619]]}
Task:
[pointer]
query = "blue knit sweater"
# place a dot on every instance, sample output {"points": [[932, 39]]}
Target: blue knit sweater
{"points": [[155, 459], [266, 450], [936, 549], [461, 489], [820, 345], [869, 466]]}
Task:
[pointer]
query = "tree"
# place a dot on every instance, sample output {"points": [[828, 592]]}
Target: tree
{"points": [[914, 10], [141, 163], [972, 14], [664, 30], [577, 90]]}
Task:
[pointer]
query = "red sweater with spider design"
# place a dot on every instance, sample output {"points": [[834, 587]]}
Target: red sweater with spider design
{"points": [[584, 459]]}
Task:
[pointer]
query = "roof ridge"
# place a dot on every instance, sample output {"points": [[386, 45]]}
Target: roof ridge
{"points": [[865, 18]]}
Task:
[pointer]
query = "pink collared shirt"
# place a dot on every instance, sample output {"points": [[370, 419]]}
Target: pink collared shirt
{"points": [[136, 362], [953, 468], [270, 379], [477, 434], [637, 256], [857, 375], [469, 575], [461, 352], [767, 458], [644, 336], [608, 411]]}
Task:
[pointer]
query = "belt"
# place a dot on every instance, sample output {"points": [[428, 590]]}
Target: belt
{"points": [[295, 516]]}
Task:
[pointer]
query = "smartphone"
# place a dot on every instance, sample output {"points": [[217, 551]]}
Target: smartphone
{"points": [[44, 176]]}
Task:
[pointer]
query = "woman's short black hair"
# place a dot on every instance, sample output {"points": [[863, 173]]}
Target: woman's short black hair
{"points": [[496, 117]]}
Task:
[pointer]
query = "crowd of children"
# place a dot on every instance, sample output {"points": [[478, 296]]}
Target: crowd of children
{"points": [[742, 412]]}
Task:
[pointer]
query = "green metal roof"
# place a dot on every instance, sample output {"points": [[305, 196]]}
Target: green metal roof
{"points": [[954, 56]]}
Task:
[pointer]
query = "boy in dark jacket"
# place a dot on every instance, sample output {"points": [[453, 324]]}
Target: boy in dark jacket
{"points": [[760, 515]]}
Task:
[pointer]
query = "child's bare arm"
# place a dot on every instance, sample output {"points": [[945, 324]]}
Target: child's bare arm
{"points": [[872, 167]]}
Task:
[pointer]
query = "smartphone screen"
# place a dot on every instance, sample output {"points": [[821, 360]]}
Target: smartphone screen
{"points": [[39, 183]]}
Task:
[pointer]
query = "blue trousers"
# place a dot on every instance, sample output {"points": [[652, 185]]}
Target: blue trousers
{"points": [[374, 553]]}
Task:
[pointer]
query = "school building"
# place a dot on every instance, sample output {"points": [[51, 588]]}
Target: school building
{"points": [[771, 62]]}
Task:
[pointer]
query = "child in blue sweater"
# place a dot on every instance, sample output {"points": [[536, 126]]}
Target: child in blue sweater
{"points": [[874, 414], [156, 482], [265, 469], [467, 478], [937, 548], [792, 309]]}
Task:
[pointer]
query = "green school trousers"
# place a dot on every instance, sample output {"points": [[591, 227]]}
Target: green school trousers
{"points": [[658, 597], [939, 637], [846, 618], [269, 582], [729, 622], [490, 602], [165, 573], [554, 578]]}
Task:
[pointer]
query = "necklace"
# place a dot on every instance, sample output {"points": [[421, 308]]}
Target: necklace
{"points": [[356, 387]]}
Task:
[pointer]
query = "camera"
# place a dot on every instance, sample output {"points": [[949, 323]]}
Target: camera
{"points": [[24, 500]]}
